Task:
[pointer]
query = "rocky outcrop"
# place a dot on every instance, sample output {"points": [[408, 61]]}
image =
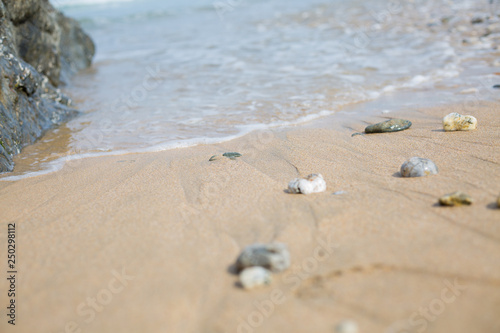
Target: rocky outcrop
{"points": [[39, 50]]}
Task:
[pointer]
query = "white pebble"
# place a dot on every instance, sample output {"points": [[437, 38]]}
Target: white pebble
{"points": [[253, 277], [457, 122], [313, 183], [470, 91], [347, 326]]}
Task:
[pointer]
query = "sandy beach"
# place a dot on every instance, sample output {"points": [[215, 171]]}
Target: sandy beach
{"points": [[146, 242]]}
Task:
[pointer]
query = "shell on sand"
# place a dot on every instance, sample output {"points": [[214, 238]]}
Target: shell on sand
{"points": [[418, 167], [274, 257]]}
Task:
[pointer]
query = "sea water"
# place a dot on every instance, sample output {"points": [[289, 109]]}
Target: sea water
{"points": [[172, 73]]}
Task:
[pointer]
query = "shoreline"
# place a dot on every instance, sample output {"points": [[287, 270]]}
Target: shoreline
{"points": [[174, 223], [54, 147]]}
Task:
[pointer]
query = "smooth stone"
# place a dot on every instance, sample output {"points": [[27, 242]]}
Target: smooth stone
{"points": [[232, 155], [456, 199], [392, 125], [253, 277], [457, 122], [496, 86], [418, 167], [215, 158], [469, 91], [347, 326], [273, 256], [314, 183]]}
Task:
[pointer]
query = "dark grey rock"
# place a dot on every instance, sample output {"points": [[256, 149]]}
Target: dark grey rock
{"points": [[39, 49]]}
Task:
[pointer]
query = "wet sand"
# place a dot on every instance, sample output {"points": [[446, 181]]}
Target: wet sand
{"points": [[145, 242]]}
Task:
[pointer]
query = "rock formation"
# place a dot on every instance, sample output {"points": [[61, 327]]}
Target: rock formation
{"points": [[40, 49]]}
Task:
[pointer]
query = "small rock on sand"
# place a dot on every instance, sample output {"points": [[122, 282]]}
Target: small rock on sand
{"points": [[456, 199], [253, 277], [313, 183], [347, 326], [418, 167], [392, 125], [232, 155], [457, 122], [469, 91], [274, 257]]}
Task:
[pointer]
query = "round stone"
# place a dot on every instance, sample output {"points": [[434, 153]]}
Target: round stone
{"points": [[418, 167]]}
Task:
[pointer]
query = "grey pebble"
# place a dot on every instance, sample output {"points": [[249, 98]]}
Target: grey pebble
{"points": [[418, 167], [273, 256]]}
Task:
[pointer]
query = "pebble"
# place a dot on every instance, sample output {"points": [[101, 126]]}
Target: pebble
{"points": [[418, 167], [314, 183], [253, 277], [469, 91], [347, 326], [496, 86], [215, 158], [339, 193], [457, 122], [477, 20], [456, 199], [232, 155], [274, 257], [391, 125]]}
